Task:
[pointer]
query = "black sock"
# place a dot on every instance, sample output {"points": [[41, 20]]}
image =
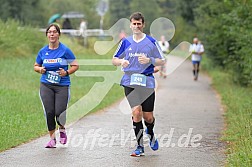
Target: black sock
{"points": [[138, 129], [194, 72], [150, 127]]}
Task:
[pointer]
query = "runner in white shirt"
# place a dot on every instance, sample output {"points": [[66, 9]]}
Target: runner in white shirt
{"points": [[164, 45], [196, 49]]}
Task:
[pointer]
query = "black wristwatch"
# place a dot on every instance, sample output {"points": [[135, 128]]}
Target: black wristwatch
{"points": [[67, 73]]}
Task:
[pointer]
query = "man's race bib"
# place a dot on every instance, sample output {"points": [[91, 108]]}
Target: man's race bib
{"points": [[138, 79], [53, 77]]}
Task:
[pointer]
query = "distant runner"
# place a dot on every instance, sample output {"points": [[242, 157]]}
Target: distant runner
{"points": [[164, 45], [196, 49]]}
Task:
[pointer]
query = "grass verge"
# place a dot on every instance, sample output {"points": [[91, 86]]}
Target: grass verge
{"points": [[238, 116]]}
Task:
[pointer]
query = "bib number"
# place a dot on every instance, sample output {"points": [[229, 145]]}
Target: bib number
{"points": [[138, 79], [53, 77]]}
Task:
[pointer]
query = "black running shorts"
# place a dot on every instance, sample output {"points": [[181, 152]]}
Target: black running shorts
{"points": [[139, 95]]}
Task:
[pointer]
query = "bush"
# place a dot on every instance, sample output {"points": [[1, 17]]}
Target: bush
{"points": [[226, 28], [19, 41]]}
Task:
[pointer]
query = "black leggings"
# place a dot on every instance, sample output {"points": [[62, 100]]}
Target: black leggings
{"points": [[54, 99]]}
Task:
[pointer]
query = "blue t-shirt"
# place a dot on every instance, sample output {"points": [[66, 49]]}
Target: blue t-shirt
{"points": [[129, 49], [52, 60]]}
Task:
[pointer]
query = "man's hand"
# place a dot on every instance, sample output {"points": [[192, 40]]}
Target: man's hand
{"points": [[156, 69], [124, 63], [143, 59]]}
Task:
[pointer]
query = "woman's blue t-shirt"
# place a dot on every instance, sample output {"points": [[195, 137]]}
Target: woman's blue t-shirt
{"points": [[52, 60]]}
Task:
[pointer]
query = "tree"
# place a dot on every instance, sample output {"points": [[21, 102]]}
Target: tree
{"points": [[22, 10], [226, 28], [118, 9]]}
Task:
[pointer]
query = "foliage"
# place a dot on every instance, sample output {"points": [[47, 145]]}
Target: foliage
{"points": [[121, 8], [226, 28], [24, 11], [238, 28], [87, 7], [208, 21], [19, 41], [186, 10]]}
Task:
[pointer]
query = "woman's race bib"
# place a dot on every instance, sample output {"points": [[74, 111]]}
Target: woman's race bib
{"points": [[53, 77]]}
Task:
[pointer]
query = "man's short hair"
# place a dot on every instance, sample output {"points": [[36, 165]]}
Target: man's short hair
{"points": [[137, 16]]}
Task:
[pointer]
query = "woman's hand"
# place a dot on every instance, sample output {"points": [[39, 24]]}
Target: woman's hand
{"points": [[62, 72], [42, 70], [39, 68]]}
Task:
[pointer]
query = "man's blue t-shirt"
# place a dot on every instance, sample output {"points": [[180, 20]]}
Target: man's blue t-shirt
{"points": [[52, 60], [129, 49]]}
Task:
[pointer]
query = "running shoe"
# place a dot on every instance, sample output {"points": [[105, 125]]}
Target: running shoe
{"points": [[154, 143], [51, 144], [138, 152], [63, 136]]}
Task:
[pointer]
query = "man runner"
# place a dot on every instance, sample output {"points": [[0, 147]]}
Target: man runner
{"points": [[196, 49], [138, 55]]}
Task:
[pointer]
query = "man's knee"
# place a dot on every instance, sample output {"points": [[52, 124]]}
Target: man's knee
{"points": [[148, 117], [137, 113]]}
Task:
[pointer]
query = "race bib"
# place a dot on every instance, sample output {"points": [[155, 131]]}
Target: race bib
{"points": [[53, 77], [138, 79]]}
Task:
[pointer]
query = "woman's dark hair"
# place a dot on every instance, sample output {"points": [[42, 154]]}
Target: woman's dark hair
{"points": [[137, 16], [55, 25]]}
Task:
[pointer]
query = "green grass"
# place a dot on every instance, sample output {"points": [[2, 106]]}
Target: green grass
{"points": [[21, 112], [237, 102]]}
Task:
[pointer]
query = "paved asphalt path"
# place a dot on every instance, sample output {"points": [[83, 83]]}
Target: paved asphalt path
{"points": [[189, 123]]}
